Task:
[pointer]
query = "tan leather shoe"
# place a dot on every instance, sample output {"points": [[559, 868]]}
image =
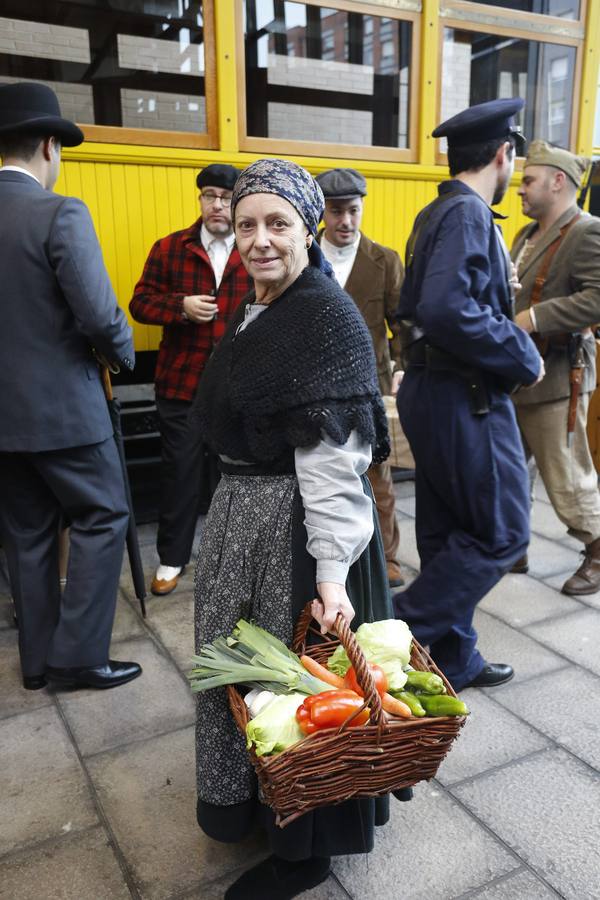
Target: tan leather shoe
{"points": [[394, 574], [586, 580], [162, 586], [521, 567]]}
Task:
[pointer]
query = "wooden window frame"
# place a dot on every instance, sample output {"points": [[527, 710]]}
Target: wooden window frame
{"points": [[528, 29], [154, 137], [285, 147]]}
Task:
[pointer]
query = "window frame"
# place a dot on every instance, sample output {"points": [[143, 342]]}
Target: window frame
{"points": [[313, 148], [528, 34], [153, 137]]}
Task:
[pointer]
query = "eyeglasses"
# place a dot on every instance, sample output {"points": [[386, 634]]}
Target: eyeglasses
{"points": [[212, 198]]}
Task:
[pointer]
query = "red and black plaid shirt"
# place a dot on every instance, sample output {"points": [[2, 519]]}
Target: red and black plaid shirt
{"points": [[177, 267]]}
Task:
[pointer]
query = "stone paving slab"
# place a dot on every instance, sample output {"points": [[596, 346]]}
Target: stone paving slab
{"points": [[564, 705], [148, 792], [13, 697], [557, 581], [406, 506], [548, 558], [128, 623], [501, 643], [481, 743], [520, 600], [74, 867], [43, 788], [430, 850], [547, 808], [576, 636], [408, 544], [546, 523], [172, 620], [156, 702], [523, 885]]}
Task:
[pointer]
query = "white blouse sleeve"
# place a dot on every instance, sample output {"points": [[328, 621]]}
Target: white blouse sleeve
{"points": [[339, 515]]}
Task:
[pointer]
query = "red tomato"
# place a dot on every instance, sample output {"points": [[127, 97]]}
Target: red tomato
{"points": [[379, 677]]}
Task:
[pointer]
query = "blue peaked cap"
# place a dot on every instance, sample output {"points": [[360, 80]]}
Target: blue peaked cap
{"points": [[484, 122]]}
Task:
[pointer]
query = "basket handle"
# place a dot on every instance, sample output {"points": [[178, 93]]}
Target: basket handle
{"points": [[355, 655]]}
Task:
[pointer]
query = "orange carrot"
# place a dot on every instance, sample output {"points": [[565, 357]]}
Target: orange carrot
{"points": [[320, 672], [395, 707]]}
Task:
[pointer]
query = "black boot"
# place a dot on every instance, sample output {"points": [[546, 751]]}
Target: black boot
{"points": [[278, 879]]}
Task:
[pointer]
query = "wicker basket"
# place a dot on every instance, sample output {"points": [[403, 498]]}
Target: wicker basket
{"points": [[371, 760]]}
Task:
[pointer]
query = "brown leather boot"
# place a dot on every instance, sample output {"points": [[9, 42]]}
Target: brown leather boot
{"points": [[586, 579], [521, 567]]}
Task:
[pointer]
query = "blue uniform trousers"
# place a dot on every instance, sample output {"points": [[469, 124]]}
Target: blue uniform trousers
{"points": [[472, 512]]}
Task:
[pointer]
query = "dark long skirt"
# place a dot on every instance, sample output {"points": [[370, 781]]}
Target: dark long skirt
{"points": [[253, 563]]}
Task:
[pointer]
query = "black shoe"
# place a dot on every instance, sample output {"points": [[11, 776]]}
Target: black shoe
{"points": [[111, 675], [277, 879], [34, 682], [491, 675], [521, 567]]}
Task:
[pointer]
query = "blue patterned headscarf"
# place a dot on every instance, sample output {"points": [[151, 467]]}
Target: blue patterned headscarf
{"points": [[294, 184]]}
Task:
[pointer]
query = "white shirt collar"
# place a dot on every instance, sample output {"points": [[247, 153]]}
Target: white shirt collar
{"points": [[19, 169], [206, 239], [332, 252]]}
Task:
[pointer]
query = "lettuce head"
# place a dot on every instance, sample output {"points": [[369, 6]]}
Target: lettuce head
{"points": [[275, 728], [386, 643]]}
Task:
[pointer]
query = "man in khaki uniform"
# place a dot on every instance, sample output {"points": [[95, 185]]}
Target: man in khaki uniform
{"points": [[372, 275], [558, 264]]}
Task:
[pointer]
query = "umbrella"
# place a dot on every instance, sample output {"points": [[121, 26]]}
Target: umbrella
{"points": [[133, 547]]}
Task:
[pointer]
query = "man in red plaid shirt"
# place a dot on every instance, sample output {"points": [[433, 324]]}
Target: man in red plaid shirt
{"points": [[192, 282]]}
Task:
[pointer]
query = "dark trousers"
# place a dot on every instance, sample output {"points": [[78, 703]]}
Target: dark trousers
{"points": [[85, 485], [472, 513], [188, 478]]}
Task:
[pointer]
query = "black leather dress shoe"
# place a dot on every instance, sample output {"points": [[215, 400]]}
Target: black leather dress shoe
{"points": [[491, 675], [110, 675], [34, 682], [277, 879]]}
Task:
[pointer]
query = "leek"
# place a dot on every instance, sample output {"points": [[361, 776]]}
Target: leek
{"points": [[252, 657]]}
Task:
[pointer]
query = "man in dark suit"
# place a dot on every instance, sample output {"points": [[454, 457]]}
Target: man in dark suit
{"points": [[57, 453], [372, 275]]}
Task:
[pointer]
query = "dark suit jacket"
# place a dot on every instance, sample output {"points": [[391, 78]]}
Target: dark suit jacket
{"points": [[570, 299], [56, 303], [374, 285]]}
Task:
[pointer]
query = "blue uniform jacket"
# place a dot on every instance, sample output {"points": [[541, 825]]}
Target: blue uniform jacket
{"points": [[457, 290]]}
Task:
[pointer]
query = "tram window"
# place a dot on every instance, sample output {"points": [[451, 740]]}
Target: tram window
{"points": [[564, 9], [478, 67], [326, 74], [129, 63]]}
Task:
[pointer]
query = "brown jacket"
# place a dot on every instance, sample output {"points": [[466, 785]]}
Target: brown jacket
{"points": [[374, 285], [570, 299]]}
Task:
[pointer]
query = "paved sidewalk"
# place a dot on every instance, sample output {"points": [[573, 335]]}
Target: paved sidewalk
{"points": [[97, 788]]}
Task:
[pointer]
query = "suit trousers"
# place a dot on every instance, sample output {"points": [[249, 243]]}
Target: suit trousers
{"points": [[183, 471], [385, 500], [84, 484], [568, 473]]}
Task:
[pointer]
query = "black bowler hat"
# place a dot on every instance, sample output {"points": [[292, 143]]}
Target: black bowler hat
{"points": [[218, 175], [342, 184], [484, 122], [28, 107]]}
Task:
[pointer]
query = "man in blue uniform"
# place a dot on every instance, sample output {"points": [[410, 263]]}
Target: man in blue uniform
{"points": [[463, 357]]}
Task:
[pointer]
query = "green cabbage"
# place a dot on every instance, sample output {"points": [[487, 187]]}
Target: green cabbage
{"points": [[275, 728], [386, 643]]}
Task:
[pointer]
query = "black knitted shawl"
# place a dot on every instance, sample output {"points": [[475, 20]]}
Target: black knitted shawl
{"points": [[304, 367]]}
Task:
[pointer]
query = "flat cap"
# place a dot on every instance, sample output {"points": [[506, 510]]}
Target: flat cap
{"points": [[218, 175], [542, 154], [342, 184], [484, 122]]}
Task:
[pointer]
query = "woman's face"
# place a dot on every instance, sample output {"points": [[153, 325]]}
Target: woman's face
{"points": [[271, 239]]}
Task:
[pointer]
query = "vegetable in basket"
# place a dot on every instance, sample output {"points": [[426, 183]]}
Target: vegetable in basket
{"points": [[428, 682], [332, 709], [275, 728], [389, 703], [379, 677], [386, 643], [443, 705], [412, 701]]}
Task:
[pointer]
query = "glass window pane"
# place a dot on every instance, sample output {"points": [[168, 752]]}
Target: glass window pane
{"points": [[479, 67], [134, 63], [564, 9], [326, 75]]}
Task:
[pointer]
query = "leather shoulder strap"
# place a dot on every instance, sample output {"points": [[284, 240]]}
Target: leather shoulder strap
{"points": [[540, 278]]}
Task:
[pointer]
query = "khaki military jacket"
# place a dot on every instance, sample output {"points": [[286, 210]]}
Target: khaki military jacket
{"points": [[570, 299], [374, 285]]}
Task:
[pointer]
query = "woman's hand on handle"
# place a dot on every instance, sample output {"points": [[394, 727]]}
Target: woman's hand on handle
{"points": [[332, 600]]}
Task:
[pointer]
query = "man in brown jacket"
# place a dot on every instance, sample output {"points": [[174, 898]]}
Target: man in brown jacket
{"points": [[558, 264], [372, 275]]}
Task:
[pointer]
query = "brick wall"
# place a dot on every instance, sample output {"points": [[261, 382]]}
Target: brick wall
{"points": [[43, 40], [167, 112]]}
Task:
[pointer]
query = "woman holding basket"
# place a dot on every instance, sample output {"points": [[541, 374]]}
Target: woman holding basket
{"points": [[290, 403]]}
